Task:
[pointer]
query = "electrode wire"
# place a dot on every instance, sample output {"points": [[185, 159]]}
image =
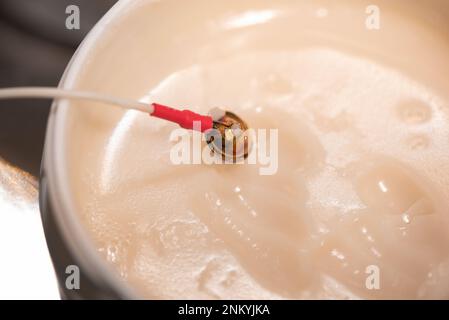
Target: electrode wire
{"points": [[187, 119], [56, 93]]}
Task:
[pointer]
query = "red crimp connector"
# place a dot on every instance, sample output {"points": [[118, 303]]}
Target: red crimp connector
{"points": [[185, 118]]}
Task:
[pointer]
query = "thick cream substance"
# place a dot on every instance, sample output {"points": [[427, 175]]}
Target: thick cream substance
{"points": [[362, 183]]}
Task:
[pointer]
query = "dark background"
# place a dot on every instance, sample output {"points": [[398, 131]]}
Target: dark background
{"points": [[35, 48]]}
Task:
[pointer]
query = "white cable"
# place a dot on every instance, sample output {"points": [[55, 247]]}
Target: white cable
{"points": [[55, 93]]}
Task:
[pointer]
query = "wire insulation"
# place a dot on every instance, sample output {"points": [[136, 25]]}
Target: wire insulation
{"points": [[56, 93]]}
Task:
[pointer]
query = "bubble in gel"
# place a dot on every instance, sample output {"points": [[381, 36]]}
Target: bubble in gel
{"points": [[418, 142], [414, 112]]}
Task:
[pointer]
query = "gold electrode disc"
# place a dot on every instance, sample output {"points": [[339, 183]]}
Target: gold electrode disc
{"points": [[229, 137]]}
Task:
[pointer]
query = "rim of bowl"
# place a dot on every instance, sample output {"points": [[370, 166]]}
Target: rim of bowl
{"points": [[55, 164]]}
